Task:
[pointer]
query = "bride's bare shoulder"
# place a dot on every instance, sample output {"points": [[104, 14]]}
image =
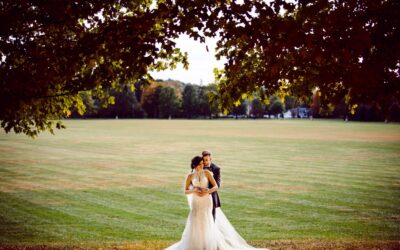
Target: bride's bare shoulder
{"points": [[208, 172]]}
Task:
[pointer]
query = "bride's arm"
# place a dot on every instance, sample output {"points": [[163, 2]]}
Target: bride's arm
{"points": [[187, 185], [213, 183]]}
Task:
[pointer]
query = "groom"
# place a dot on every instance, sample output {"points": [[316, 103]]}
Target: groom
{"points": [[216, 171]]}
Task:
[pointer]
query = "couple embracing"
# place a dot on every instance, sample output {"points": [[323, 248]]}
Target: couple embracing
{"points": [[207, 228]]}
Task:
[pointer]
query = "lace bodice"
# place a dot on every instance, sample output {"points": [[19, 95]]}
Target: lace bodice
{"points": [[200, 179]]}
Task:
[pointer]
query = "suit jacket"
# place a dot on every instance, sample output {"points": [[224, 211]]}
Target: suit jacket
{"points": [[217, 176]]}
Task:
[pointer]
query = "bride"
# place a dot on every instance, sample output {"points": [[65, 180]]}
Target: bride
{"points": [[201, 232]]}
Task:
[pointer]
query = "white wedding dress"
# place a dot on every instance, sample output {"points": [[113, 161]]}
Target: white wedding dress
{"points": [[201, 232]]}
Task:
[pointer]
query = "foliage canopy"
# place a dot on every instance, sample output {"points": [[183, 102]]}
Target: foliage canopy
{"points": [[53, 50]]}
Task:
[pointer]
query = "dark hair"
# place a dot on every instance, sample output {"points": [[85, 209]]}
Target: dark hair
{"points": [[196, 161], [205, 153]]}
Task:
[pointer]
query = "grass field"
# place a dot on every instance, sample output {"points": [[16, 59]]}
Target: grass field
{"points": [[119, 183]]}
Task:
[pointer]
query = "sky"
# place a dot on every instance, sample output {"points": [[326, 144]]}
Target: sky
{"points": [[201, 62]]}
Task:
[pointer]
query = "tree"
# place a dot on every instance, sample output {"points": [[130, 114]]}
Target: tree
{"points": [[257, 108], [90, 104], [150, 100], [168, 102], [345, 48], [341, 110], [316, 103], [213, 98], [275, 106], [190, 101], [394, 111], [289, 102], [204, 106], [240, 109], [52, 50], [124, 105]]}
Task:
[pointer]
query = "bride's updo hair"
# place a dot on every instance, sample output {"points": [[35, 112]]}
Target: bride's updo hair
{"points": [[196, 161]]}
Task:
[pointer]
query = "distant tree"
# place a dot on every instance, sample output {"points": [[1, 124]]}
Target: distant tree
{"points": [[90, 105], [290, 102], [341, 110], [139, 85], [124, 105], [257, 108], [150, 100], [168, 102], [204, 106], [316, 103], [275, 106], [214, 100], [190, 101], [366, 112], [241, 109], [394, 110], [177, 85]]}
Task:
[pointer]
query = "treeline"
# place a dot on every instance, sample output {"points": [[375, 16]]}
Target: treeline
{"points": [[161, 99], [174, 99], [389, 110]]}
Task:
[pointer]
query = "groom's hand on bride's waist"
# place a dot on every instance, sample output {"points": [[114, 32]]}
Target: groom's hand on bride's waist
{"points": [[201, 194], [205, 190], [201, 191]]}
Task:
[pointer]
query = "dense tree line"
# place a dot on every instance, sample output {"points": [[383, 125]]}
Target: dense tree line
{"points": [[160, 99], [174, 99], [361, 112]]}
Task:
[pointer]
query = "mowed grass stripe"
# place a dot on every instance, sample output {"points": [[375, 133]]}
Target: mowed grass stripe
{"points": [[92, 211], [37, 222], [121, 181], [312, 181]]}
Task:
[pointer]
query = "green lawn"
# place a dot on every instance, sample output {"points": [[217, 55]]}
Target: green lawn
{"points": [[121, 181]]}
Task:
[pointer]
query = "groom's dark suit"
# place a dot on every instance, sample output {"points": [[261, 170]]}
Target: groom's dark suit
{"points": [[217, 176]]}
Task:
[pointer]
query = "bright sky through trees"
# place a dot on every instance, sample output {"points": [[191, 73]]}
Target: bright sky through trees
{"points": [[201, 62]]}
